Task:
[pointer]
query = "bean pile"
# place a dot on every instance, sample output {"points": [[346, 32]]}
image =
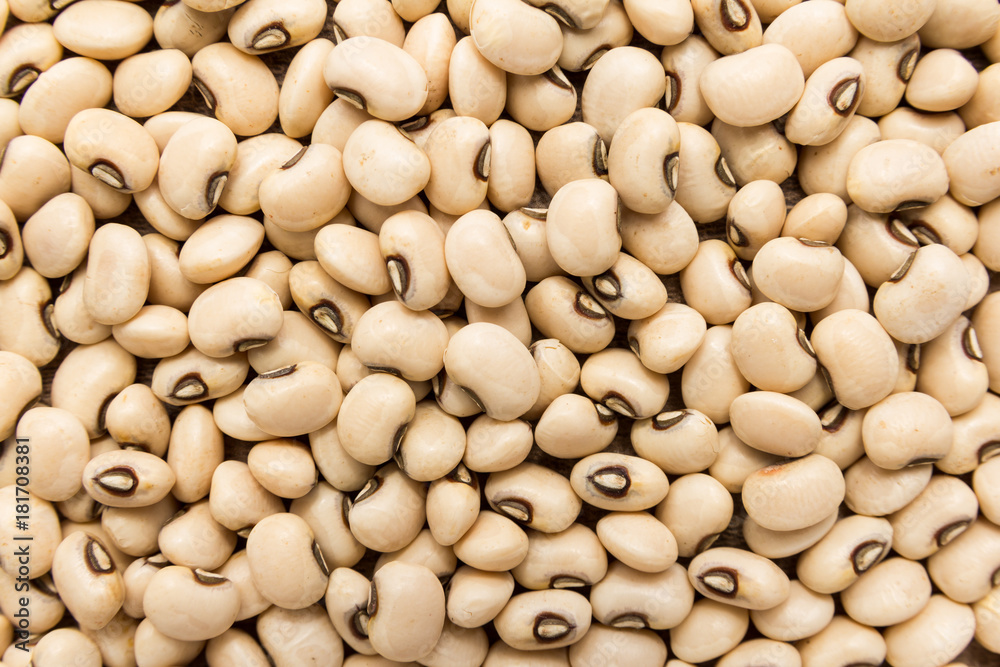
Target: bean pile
{"points": [[500, 332]]}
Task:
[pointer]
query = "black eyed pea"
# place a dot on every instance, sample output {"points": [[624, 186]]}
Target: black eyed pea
{"points": [[383, 164], [389, 512], [285, 562], [174, 26], [63, 90], [705, 185], [194, 539], [617, 379], [512, 166], [194, 167], [389, 337], [724, 623], [431, 41], [667, 339], [957, 355], [618, 482], [88, 581], [475, 597], [233, 316], [896, 174], [526, 52], [977, 438], [987, 627], [608, 97], [283, 467], [192, 377], [684, 63], [755, 153], [830, 98], [814, 33], [26, 51], [64, 646], [297, 636], [55, 239], [632, 599], [325, 509], [663, 24], [269, 399], [113, 148], [737, 577], [937, 130], [256, 158], [431, 444], [335, 309], [61, 448], [840, 441], [906, 429], [373, 418], [307, 191], [583, 48], [237, 87], [88, 379], [638, 540], [155, 332], [494, 446], [459, 151], [11, 246], [865, 375], [938, 633], [569, 559], [888, 67], [376, 76], [44, 532], [755, 216], [452, 505], [412, 246], [570, 152], [678, 441], [803, 614], [886, 22], [715, 283], [943, 80], [304, 96], [83, 29], [854, 545], [843, 640], [942, 511], [476, 86], [541, 102], [573, 426], [137, 420], [876, 244], [752, 87], [128, 478], [28, 328], [813, 486], [730, 26], [766, 338], [235, 647], [493, 543], [405, 595], [32, 172], [893, 591], [800, 274], [544, 619], [263, 26], [695, 524], [965, 569], [153, 206], [483, 261], [647, 148], [754, 650], [191, 605], [533, 496], [347, 605]]}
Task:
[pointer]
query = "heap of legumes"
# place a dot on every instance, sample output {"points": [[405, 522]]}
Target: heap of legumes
{"points": [[500, 332]]}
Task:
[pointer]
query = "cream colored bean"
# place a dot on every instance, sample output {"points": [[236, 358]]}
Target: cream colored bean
{"points": [[618, 482], [986, 620], [87, 380], [755, 216], [705, 183], [825, 168], [476, 86], [476, 597], [452, 505], [347, 605], [945, 221], [527, 52], [648, 141], [739, 578], [806, 490], [154, 208], [875, 244], [70, 315], [285, 562], [402, 83], [814, 33], [957, 356], [82, 29], [874, 176], [304, 95], [939, 633], [711, 630], [983, 484], [715, 284], [942, 80], [803, 614], [389, 512], [11, 246], [28, 327], [127, 478], [493, 445], [841, 641], [965, 159], [56, 237], [263, 26], [338, 120], [235, 647], [195, 450], [572, 558], [568, 153], [43, 601], [298, 245], [979, 109], [875, 491], [191, 605], [32, 172], [684, 64], [154, 332], [711, 379], [583, 48], [906, 429], [573, 426], [182, 27], [234, 316], [977, 438], [853, 546], [482, 260], [665, 242], [412, 246], [44, 533], [890, 21], [628, 598], [984, 320], [231, 417], [60, 448], [459, 152], [26, 51], [431, 444], [541, 102], [167, 285], [755, 153], [865, 375], [307, 191], [513, 317], [65, 645], [667, 339], [939, 514], [679, 442], [959, 25], [300, 635], [512, 166], [374, 416], [331, 306], [192, 377], [68, 87], [550, 619], [150, 83], [799, 274], [936, 130], [731, 26], [533, 496], [431, 41], [965, 569], [118, 274], [283, 467], [269, 397], [193, 538], [237, 500], [237, 87], [374, 19], [325, 510], [392, 338], [828, 103], [936, 304], [494, 543], [617, 379], [192, 186], [256, 158], [790, 428], [893, 591], [753, 87], [384, 165], [608, 98], [819, 217], [137, 420], [759, 362], [784, 543], [88, 581]]}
